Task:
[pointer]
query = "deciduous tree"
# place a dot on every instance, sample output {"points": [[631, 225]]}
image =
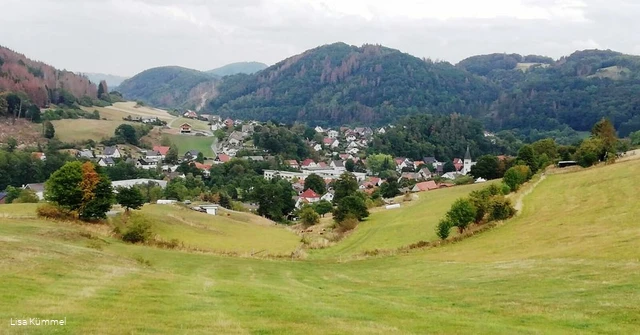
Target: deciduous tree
{"points": [[316, 183], [130, 198]]}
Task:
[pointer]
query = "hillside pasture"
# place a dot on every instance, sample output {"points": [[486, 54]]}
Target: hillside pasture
{"points": [[526, 66], [569, 264], [84, 129], [190, 142], [225, 232], [195, 124], [393, 228], [613, 72]]}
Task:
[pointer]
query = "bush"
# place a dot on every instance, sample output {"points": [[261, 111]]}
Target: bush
{"points": [[49, 211], [506, 189], [308, 216], [27, 197], [516, 176], [443, 228], [350, 222], [500, 209], [462, 213], [139, 230]]}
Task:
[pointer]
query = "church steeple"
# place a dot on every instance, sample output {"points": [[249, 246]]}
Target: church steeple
{"points": [[467, 156]]}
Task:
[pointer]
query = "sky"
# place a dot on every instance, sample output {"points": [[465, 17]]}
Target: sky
{"points": [[124, 37]]}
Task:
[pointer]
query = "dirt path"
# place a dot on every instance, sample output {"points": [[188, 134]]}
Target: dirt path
{"points": [[519, 200]]}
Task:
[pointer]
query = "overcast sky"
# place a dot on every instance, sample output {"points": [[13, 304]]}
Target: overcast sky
{"points": [[124, 37]]}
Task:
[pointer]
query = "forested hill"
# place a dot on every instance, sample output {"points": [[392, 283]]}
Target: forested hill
{"points": [[41, 82], [574, 92], [170, 87], [237, 68], [338, 84]]}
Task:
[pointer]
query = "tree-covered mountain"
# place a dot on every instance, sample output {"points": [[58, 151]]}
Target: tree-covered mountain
{"points": [[337, 84], [574, 92], [42, 83], [112, 80], [237, 68], [170, 87]]}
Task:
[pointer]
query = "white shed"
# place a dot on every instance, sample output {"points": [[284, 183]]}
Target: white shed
{"points": [[210, 209]]}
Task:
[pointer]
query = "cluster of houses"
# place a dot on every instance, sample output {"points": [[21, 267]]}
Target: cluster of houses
{"points": [[153, 120], [346, 140]]}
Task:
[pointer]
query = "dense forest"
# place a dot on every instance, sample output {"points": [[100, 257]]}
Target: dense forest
{"points": [[169, 87], [41, 83], [339, 84]]}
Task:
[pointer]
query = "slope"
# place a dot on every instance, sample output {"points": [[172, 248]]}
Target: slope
{"points": [[168, 87], [391, 229], [41, 82], [568, 265], [236, 68], [112, 80], [337, 84]]}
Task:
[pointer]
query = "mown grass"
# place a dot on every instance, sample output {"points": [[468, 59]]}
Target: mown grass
{"points": [[120, 110], [390, 229], [226, 232], [195, 124], [18, 210], [568, 265], [189, 142], [85, 129]]}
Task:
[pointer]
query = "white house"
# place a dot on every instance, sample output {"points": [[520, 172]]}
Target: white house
{"points": [[146, 163], [327, 196], [210, 209], [317, 147], [319, 129], [38, 189], [351, 137], [111, 152], [353, 151], [381, 131], [333, 134], [106, 161]]}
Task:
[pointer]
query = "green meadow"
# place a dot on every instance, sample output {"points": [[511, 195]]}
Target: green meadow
{"points": [[569, 264]]}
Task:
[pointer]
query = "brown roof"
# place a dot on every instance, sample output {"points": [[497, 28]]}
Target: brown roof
{"points": [[427, 186]]}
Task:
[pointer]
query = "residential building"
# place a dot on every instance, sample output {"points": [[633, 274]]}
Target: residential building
{"points": [[425, 186], [236, 138], [190, 114], [247, 128], [191, 155], [293, 164], [142, 181], [309, 163], [222, 158], [333, 134], [111, 152], [146, 163], [39, 155], [106, 161], [88, 154], [185, 128], [162, 150], [153, 155], [337, 165], [319, 129], [322, 173], [38, 189]]}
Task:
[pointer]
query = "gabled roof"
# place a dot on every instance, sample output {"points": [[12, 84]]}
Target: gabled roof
{"points": [[322, 164], [108, 151], [35, 187], [308, 194], [85, 153], [308, 162], [292, 162], [328, 140], [185, 125], [162, 150], [426, 186], [108, 160], [429, 160], [224, 158], [202, 166], [338, 163], [153, 153]]}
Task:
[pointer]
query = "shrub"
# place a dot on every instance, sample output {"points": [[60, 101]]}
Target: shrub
{"points": [[351, 205], [350, 222], [462, 213], [49, 211], [138, 231], [500, 208], [308, 216], [27, 196], [516, 176], [443, 228], [505, 189]]}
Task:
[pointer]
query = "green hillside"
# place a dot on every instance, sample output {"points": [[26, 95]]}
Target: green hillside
{"points": [[236, 68], [167, 87], [568, 265], [337, 84]]}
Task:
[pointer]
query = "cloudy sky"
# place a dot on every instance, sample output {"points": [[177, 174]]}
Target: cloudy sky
{"points": [[124, 37]]}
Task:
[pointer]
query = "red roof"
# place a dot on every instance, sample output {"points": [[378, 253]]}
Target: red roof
{"points": [[327, 140], [374, 180], [458, 166], [202, 166], [224, 158], [322, 164], [292, 162], [162, 150], [307, 162], [458, 161], [309, 194], [427, 185], [38, 155]]}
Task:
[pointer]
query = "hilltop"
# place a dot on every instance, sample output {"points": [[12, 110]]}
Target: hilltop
{"points": [[339, 84], [170, 87], [41, 82], [237, 68]]}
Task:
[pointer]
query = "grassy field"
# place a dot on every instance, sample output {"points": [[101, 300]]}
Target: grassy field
{"points": [[226, 232], [195, 124], [390, 229], [188, 142], [84, 129], [570, 264], [120, 110], [612, 72]]}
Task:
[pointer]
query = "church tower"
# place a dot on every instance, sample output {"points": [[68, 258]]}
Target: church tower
{"points": [[467, 162]]}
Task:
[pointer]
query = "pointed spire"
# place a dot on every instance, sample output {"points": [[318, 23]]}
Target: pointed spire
{"points": [[467, 156]]}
